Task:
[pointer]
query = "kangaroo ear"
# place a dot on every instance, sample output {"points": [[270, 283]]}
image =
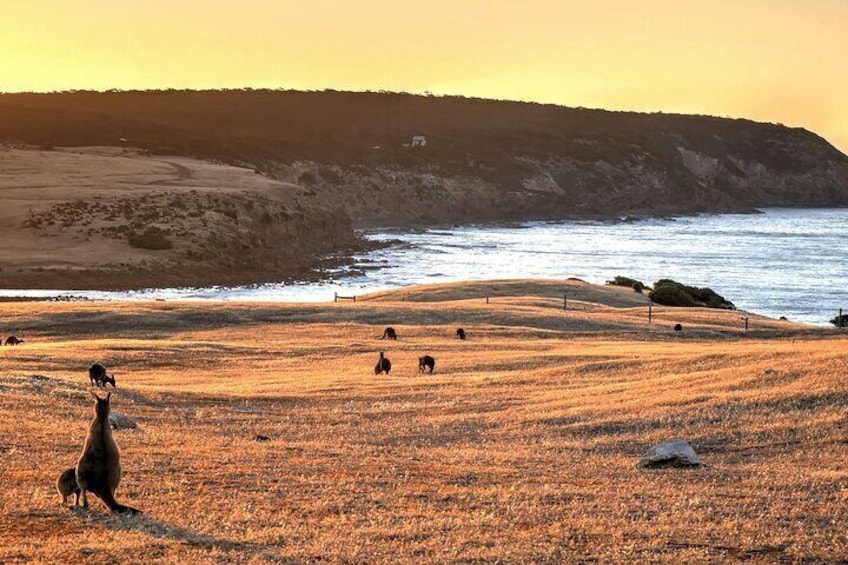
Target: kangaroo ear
{"points": [[94, 396], [108, 396]]}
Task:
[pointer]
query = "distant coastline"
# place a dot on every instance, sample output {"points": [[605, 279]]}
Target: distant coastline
{"points": [[776, 263], [124, 190]]}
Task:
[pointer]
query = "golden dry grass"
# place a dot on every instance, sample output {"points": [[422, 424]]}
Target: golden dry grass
{"points": [[521, 448]]}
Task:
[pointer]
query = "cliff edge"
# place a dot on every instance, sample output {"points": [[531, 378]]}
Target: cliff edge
{"points": [[398, 159], [165, 188]]}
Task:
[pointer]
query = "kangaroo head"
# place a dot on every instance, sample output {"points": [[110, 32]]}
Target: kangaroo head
{"points": [[109, 379], [101, 406]]}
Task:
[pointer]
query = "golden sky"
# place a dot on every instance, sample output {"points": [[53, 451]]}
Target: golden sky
{"points": [[774, 60]]}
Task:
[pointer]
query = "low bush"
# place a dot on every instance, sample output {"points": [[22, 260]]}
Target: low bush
{"points": [[625, 281], [672, 293], [840, 323], [151, 238]]}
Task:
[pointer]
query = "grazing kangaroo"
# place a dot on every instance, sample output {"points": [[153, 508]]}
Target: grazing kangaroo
{"points": [[678, 327], [389, 333], [97, 375], [13, 340], [67, 485], [383, 365], [426, 361], [460, 333], [99, 466]]}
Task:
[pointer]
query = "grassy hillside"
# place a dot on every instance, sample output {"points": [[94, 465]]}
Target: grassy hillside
{"points": [[101, 217], [521, 447]]}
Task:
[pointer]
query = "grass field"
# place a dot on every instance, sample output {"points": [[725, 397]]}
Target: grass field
{"points": [[522, 447]]}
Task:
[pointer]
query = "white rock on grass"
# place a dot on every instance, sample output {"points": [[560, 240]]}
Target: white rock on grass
{"points": [[674, 453], [121, 422]]}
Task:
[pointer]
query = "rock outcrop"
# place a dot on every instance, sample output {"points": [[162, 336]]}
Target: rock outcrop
{"points": [[674, 453], [121, 422]]}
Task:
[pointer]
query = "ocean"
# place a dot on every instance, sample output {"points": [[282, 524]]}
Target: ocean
{"points": [[782, 262]]}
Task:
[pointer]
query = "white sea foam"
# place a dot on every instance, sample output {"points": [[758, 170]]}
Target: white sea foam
{"points": [[784, 262]]}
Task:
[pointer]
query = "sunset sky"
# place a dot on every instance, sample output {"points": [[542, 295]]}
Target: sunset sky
{"points": [[774, 60]]}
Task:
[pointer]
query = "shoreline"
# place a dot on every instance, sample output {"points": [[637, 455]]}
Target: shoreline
{"points": [[130, 278], [365, 269]]}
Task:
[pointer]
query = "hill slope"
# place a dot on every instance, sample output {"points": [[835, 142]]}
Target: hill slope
{"points": [[264, 435], [483, 160], [109, 218]]}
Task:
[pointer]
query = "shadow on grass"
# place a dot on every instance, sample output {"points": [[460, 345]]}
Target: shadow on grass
{"points": [[146, 524]]}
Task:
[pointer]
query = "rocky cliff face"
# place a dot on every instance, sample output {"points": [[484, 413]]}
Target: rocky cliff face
{"points": [[671, 175], [483, 160]]}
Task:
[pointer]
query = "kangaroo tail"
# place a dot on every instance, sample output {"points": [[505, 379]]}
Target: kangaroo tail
{"points": [[109, 500]]}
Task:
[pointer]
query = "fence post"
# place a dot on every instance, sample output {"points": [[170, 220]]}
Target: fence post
{"points": [[746, 324], [564, 301], [354, 298], [335, 297], [650, 313], [840, 319], [487, 300]]}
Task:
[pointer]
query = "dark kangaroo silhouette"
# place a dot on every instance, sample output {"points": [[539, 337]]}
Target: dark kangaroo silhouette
{"points": [[67, 485], [678, 327], [99, 467], [13, 340], [383, 365], [97, 375], [389, 333], [460, 333], [426, 362]]}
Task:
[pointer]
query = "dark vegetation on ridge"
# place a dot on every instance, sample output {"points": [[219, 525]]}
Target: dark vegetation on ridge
{"points": [[483, 159], [672, 293]]}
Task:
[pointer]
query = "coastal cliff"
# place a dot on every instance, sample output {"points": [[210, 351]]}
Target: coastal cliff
{"points": [[398, 159], [110, 218], [164, 188]]}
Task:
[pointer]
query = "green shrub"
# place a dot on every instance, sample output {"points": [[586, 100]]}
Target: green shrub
{"points": [[625, 281], [152, 238], [671, 293], [638, 287], [307, 178], [835, 321]]}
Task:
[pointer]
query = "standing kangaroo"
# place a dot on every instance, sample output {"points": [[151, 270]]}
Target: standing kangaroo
{"points": [[99, 466]]}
